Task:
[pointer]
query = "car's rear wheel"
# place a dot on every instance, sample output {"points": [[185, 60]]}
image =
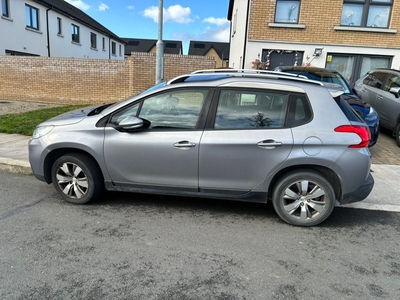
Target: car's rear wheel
{"points": [[76, 178], [397, 134], [303, 198]]}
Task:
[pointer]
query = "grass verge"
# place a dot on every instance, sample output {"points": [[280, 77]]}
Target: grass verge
{"points": [[25, 123]]}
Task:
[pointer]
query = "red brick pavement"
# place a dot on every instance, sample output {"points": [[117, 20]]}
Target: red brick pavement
{"points": [[385, 151]]}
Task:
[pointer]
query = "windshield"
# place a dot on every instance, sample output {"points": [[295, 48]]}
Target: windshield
{"points": [[111, 107]]}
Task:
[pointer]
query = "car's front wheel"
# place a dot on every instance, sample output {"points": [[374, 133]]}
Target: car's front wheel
{"points": [[303, 198], [397, 134], [76, 178]]}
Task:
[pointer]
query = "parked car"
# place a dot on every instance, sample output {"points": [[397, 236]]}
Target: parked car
{"points": [[380, 88], [365, 110], [234, 134]]}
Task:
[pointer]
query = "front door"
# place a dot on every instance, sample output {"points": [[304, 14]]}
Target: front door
{"points": [[165, 154]]}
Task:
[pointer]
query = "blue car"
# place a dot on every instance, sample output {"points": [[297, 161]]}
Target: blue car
{"points": [[365, 110]]}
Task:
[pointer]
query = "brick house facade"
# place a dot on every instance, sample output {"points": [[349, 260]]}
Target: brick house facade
{"points": [[349, 36]]}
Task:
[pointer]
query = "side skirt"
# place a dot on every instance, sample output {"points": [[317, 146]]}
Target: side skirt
{"points": [[258, 197]]}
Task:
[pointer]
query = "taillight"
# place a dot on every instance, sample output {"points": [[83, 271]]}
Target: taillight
{"points": [[362, 131]]}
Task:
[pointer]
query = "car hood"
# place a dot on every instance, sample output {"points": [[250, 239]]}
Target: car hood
{"points": [[71, 117]]}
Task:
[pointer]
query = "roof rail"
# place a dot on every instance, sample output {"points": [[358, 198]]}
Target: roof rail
{"points": [[245, 73]]}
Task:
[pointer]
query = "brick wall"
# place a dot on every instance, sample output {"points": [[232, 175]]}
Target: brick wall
{"points": [[87, 81], [320, 18]]}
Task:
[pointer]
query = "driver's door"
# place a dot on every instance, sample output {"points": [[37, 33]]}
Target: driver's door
{"points": [[165, 154]]}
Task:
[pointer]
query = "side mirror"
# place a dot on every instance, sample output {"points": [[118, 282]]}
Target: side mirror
{"points": [[395, 91], [132, 124]]}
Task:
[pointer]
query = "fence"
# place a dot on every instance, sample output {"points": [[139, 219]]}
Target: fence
{"points": [[87, 81]]}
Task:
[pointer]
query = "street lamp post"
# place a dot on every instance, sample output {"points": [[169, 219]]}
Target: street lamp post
{"points": [[160, 46]]}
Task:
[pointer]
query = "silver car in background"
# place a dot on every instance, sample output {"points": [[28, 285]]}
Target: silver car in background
{"points": [[381, 89], [226, 134]]}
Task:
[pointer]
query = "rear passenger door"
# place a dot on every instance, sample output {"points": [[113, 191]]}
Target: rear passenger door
{"points": [[372, 87], [246, 140]]}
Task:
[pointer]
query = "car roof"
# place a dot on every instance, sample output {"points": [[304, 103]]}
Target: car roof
{"points": [[216, 74], [307, 69]]}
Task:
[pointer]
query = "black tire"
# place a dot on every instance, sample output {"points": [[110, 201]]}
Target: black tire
{"points": [[303, 198], [397, 134], [76, 178]]}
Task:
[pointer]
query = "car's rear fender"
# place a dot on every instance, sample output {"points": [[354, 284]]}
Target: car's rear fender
{"points": [[329, 174]]}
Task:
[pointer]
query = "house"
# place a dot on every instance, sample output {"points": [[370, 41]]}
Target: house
{"points": [[149, 46], [219, 51], [54, 28], [349, 36]]}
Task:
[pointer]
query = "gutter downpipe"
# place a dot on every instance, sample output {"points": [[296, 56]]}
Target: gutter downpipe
{"points": [[246, 32], [48, 31]]}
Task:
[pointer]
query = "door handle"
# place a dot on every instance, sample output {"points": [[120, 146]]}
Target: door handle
{"points": [[269, 144], [184, 145]]}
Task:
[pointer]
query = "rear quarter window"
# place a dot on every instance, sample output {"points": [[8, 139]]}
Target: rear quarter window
{"points": [[299, 111], [347, 110]]}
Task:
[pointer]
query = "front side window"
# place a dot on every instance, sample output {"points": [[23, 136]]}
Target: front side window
{"points": [[366, 13], [93, 40], [32, 17], [251, 110], [287, 11], [75, 33], [176, 110], [104, 43], [5, 8], [392, 82]]}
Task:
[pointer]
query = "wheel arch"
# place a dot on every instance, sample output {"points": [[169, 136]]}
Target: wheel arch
{"points": [[52, 156], [329, 174]]}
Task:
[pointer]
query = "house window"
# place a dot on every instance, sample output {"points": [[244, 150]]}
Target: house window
{"points": [[93, 40], [120, 50], [5, 8], [32, 17], [366, 13], [113, 48], [75, 33], [59, 26], [287, 11], [104, 43]]}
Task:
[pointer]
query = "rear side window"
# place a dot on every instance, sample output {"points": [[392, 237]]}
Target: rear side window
{"points": [[251, 110], [375, 79]]}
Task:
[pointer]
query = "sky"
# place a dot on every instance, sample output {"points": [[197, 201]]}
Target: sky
{"points": [[184, 20]]}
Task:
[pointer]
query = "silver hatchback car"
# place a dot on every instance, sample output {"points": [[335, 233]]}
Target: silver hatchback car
{"points": [[381, 88], [237, 134]]}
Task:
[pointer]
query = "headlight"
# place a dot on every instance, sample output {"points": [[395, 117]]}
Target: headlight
{"points": [[41, 131], [372, 115]]}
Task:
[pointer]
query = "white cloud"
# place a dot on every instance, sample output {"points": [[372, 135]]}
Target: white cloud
{"points": [[103, 7], [220, 34], [79, 4], [174, 13], [131, 7], [216, 21]]}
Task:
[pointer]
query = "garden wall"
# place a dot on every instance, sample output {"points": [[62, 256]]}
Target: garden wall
{"points": [[87, 81]]}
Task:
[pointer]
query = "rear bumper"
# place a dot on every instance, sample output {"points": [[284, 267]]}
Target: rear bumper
{"points": [[361, 193]]}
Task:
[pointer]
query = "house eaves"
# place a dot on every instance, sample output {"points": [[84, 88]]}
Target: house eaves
{"points": [[74, 13]]}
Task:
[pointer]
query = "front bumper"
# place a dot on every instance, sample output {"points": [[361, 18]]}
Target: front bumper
{"points": [[361, 193]]}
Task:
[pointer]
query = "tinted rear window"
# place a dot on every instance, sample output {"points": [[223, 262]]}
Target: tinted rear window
{"points": [[348, 111]]}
